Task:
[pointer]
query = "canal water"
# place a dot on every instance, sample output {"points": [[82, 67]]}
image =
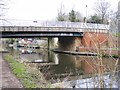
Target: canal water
{"points": [[56, 66]]}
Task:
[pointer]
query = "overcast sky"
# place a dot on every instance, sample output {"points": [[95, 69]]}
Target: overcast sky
{"points": [[48, 9]]}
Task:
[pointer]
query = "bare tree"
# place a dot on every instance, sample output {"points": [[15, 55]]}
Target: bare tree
{"points": [[61, 13], [79, 16], [3, 7], [102, 9]]}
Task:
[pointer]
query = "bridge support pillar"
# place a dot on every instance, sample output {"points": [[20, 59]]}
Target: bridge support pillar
{"points": [[53, 57], [69, 43], [51, 44]]}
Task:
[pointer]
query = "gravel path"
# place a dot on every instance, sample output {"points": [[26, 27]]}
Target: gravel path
{"points": [[7, 79]]}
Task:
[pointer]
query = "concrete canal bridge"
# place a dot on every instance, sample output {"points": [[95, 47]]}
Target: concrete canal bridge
{"points": [[71, 35]]}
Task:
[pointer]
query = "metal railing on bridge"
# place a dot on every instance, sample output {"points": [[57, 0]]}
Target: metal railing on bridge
{"points": [[51, 25]]}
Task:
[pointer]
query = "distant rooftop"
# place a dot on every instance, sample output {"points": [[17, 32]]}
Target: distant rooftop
{"points": [[12, 22]]}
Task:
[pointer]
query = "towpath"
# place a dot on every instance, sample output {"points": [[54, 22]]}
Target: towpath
{"points": [[7, 79]]}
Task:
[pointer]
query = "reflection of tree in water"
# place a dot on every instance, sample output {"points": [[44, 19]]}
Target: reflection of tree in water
{"points": [[48, 73]]}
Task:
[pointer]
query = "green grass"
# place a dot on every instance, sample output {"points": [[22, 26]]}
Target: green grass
{"points": [[115, 48], [27, 76], [118, 34], [114, 56]]}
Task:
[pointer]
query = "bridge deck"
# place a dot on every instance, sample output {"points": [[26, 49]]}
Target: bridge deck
{"points": [[52, 29], [38, 29], [32, 31]]}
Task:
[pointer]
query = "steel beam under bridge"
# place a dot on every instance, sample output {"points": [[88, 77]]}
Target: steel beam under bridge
{"points": [[28, 34]]}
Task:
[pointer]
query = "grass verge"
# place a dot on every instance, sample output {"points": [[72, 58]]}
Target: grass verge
{"points": [[29, 77]]}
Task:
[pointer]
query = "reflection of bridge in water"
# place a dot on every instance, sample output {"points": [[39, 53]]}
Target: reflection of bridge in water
{"points": [[75, 33]]}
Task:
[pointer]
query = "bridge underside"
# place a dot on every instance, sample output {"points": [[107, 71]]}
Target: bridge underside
{"points": [[28, 34], [69, 43]]}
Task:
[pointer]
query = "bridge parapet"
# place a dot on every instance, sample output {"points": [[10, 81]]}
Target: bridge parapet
{"points": [[27, 25], [12, 22], [55, 29], [75, 24]]}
